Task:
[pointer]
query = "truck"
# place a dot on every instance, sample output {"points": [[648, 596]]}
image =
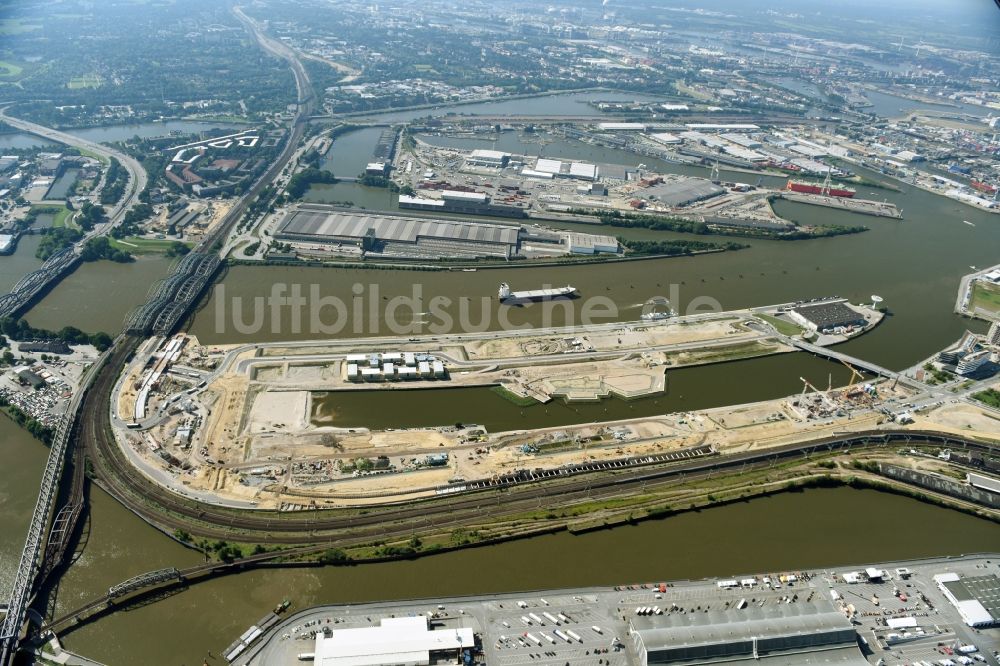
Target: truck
{"points": [[537, 619]]}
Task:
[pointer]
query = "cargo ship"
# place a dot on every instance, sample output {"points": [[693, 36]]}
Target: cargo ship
{"points": [[505, 294], [983, 187], [816, 188]]}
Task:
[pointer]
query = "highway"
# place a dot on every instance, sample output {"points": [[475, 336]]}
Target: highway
{"points": [[180, 291], [115, 473], [36, 282], [137, 174]]}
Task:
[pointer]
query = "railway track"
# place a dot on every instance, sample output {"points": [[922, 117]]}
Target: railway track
{"points": [[591, 489], [161, 506]]}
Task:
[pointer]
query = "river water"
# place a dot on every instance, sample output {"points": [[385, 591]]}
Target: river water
{"points": [[894, 106], [112, 133], [23, 140], [914, 264], [18, 492], [687, 389], [14, 266], [793, 531], [98, 295]]}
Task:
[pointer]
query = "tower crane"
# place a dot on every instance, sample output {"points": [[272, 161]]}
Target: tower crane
{"points": [[822, 394], [855, 375]]}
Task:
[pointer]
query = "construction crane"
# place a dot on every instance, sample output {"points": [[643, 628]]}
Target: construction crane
{"points": [[822, 394], [855, 375]]}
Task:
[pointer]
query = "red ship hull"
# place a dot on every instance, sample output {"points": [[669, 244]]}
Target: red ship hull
{"points": [[812, 188]]}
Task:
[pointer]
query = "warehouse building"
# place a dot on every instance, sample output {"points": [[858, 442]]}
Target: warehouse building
{"points": [[976, 598], [776, 634], [488, 158], [827, 316], [399, 641], [579, 170], [591, 244], [682, 192], [394, 235]]}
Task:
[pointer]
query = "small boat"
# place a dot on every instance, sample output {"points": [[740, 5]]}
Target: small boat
{"points": [[655, 316], [968, 223], [469, 270], [282, 607]]}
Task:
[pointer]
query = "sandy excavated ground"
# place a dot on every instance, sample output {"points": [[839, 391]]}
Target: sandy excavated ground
{"points": [[960, 418], [727, 429], [258, 427], [630, 337], [279, 410]]}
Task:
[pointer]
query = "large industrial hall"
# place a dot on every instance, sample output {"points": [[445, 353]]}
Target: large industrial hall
{"points": [[395, 235]]}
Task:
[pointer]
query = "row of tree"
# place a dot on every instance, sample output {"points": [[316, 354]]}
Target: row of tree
{"points": [[19, 329]]}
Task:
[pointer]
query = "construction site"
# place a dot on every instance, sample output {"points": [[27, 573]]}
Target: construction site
{"points": [[265, 425]]}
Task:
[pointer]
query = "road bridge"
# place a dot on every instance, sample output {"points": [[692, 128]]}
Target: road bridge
{"points": [[854, 361], [579, 480], [32, 559], [31, 285], [171, 304]]}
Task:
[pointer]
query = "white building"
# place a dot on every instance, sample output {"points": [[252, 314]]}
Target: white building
{"points": [[583, 171], [548, 166], [972, 610], [622, 127], [591, 243], [666, 138], [400, 641], [467, 197], [972, 362], [488, 158]]}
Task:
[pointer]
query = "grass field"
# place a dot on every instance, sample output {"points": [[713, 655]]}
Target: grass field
{"points": [[782, 326], [89, 153], [17, 26], [64, 218], [61, 215], [989, 397], [985, 297], [143, 245], [9, 70], [87, 81]]}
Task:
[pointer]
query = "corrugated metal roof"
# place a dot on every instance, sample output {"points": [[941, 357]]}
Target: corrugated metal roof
{"points": [[724, 626], [305, 222]]}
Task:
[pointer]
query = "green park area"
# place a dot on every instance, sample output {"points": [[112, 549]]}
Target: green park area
{"points": [[137, 245], [86, 81], [985, 298], [14, 26], [782, 326], [10, 70]]}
